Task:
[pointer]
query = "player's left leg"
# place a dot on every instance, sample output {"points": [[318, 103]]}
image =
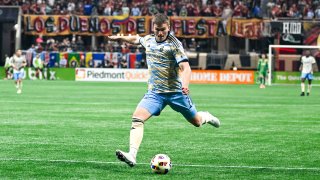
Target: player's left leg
{"points": [[261, 80], [303, 79], [150, 105], [310, 77], [183, 104]]}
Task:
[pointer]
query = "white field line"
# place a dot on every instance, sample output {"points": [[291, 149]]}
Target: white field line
{"points": [[181, 165]]}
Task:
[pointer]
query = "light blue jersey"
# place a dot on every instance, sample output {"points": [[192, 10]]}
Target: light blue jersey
{"points": [[164, 84], [163, 59]]}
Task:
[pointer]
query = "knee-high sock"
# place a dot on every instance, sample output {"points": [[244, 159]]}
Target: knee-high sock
{"points": [[302, 87], [136, 135], [309, 88]]}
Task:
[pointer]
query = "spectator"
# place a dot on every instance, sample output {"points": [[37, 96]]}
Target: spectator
{"points": [[183, 11], [107, 10], [135, 11], [125, 9], [8, 67], [71, 7], [80, 44], [317, 12], [124, 63], [63, 62]]}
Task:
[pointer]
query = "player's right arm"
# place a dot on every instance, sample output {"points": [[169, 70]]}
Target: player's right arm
{"points": [[259, 65], [301, 64], [13, 63], [128, 39], [314, 66]]}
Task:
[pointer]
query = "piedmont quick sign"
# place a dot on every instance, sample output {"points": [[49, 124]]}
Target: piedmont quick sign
{"points": [[141, 75], [114, 75]]}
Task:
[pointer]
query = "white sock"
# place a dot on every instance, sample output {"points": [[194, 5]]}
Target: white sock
{"points": [[302, 87], [203, 118], [309, 88], [136, 135]]}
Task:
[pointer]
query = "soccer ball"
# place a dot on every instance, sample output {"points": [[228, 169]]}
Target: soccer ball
{"points": [[160, 164]]}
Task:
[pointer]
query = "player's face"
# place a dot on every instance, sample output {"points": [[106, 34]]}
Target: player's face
{"points": [[18, 53], [307, 53], [161, 31]]}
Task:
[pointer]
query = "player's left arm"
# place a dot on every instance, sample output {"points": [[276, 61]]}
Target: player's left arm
{"points": [[314, 66], [185, 76], [24, 63]]}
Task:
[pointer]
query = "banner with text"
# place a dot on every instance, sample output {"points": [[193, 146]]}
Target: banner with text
{"points": [[247, 28], [47, 74], [292, 78], [222, 77], [114, 75], [52, 25]]}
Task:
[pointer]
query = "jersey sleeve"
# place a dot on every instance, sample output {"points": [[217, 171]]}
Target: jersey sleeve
{"points": [[179, 53], [142, 41], [313, 60]]}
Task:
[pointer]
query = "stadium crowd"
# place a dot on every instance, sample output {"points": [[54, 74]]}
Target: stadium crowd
{"points": [[216, 8], [307, 9]]}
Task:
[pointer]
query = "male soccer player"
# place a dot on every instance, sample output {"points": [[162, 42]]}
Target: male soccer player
{"points": [[168, 84], [262, 70], [18, 64], [308, 63]]}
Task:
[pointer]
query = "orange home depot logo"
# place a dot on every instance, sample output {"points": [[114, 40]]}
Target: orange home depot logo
{"points": [[222, 77], [80, 73]]}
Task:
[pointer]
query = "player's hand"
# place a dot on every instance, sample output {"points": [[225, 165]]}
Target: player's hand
{"points": [[185, 90]]}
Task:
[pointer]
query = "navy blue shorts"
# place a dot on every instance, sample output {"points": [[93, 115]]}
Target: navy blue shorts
{"points": [[156, 102]]}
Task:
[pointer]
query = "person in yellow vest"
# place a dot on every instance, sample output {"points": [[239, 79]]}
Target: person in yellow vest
{"points": [[38, 65], [8, 67]]}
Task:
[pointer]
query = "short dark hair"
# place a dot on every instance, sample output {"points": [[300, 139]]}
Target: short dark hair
{"points": [[160, 18]]}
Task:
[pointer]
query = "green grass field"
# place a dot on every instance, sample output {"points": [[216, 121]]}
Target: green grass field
{"points": [[64, 130]]}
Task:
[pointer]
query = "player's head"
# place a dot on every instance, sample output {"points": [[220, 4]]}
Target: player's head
{"points": [[307, 53], [161, 27], [18, 53]]}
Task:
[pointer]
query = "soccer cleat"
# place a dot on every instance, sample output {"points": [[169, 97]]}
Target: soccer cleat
{"points": [[308, 94], [210, 119], [302, 94], [126, 157]]}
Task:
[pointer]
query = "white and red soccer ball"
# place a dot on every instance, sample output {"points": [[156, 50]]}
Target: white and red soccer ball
{"points": [[160, 164]]}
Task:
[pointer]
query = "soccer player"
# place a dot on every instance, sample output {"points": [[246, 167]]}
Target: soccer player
{"points": [[18, 64], [262, 70], [168, 84], [308, 63]]}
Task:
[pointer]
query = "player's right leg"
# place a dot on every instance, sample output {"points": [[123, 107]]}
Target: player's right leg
{"points": [[150, 105], [309, 84], [303, 78], [183, 104]]}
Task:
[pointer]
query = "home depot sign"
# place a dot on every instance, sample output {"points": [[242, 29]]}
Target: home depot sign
{"points": [[222, 77]]}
